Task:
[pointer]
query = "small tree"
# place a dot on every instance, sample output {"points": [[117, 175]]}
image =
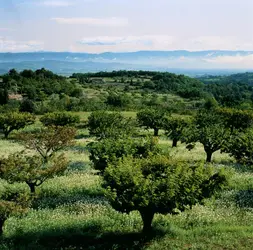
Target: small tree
{"points": [[107, 151], [152, 119], [60, 119], [47, 141], [32, 170], [109, 125], [15, 121], [208, 129], [175, 127], [158, 185]]}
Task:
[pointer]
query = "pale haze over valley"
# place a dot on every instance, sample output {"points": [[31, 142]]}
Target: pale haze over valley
{"points": [[222, 29]]}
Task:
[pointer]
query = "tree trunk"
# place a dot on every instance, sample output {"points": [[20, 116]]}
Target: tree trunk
{"points": [[1, 226], [147, 217], [156, 130], [209, 155], [174, 143], [32, 187], [6, 134]]}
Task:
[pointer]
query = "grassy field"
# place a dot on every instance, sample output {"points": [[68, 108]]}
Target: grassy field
{"points": [[71, 212]]}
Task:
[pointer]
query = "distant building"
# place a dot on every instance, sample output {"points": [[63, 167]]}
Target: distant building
{"points": [[16, 97]]}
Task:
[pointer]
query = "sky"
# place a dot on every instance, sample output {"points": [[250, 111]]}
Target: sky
{"points": [[96, 26]]}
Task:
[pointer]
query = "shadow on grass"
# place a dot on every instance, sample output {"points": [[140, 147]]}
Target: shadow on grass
{"points": [[52, 201], [82, 136], [244, 198], [76, 166], [87, 237]]}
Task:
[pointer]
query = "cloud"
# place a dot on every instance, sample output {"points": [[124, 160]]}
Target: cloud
{"points": [[232, 61], [20, 46], [126, 40], [111, 41], [113, 21], [56, 3]]}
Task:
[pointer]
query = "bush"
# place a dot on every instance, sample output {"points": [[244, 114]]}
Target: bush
{"points": [[15, 121], [158, 185], [59, 119], [12, 203]]}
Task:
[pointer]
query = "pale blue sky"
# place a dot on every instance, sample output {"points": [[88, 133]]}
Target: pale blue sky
{"points": [[125, 25]]}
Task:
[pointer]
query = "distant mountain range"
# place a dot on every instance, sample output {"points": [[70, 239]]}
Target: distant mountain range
{"points": [[180, 61]]}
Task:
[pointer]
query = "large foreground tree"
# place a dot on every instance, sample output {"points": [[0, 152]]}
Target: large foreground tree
{"points": [[159, 185]]}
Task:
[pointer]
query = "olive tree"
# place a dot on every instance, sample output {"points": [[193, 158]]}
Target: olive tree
{"points": [[159, 184], [14, 121], [152, 119], [60, 119]]}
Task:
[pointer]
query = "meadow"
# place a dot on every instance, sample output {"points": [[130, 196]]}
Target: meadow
{"points": [[70, 211]]}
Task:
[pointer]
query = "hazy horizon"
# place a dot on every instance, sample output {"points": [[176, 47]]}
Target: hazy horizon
{"points": [[95, 26]]}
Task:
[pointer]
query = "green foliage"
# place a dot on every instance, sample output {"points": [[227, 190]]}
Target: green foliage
{"points": [[152, 119], [110, 150], [208, 129], [60, 119], [159, 185], [210, 103], [175, 127], [235, 119], [15, 121], [240, 146], [3, 96], [47, 141], [109, 125], [27, 106], [33, 170], [39, 84], [117, 100]]}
